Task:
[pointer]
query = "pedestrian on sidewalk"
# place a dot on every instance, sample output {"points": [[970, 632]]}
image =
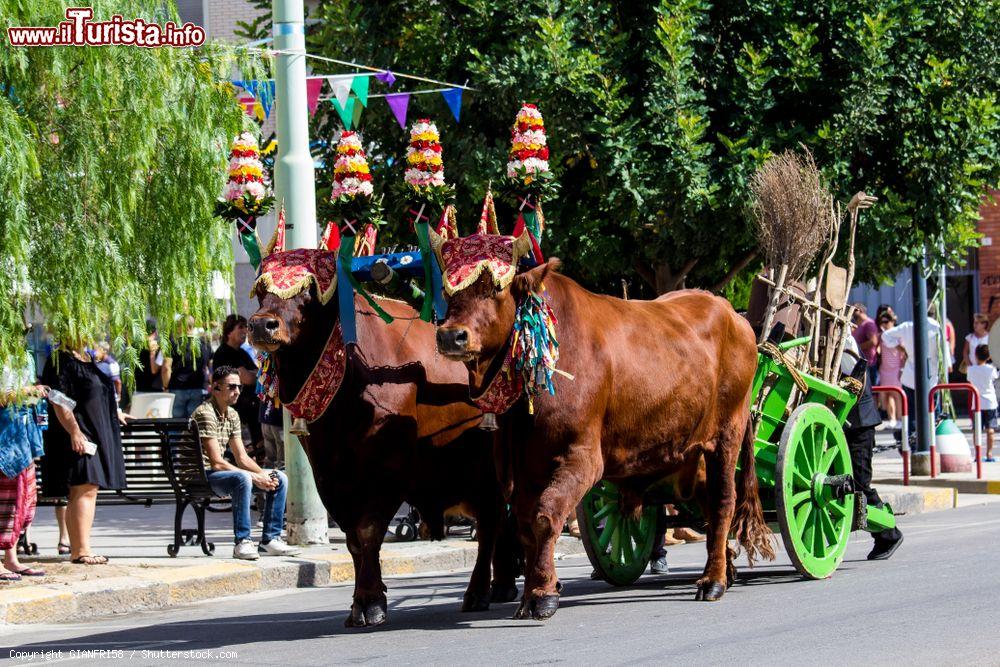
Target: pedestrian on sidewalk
{"points": [[982, 376], [20, 445], [866, 334], [218, 427], [980, 336], [83, 444], [902, 335], [890, 366], [232, 354], [187, 369]]}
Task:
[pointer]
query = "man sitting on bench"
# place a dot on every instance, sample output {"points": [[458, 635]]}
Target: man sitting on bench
{"points": [[218, 426]]}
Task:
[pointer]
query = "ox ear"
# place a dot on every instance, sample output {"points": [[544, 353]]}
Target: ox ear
{"points": [[531, 280]]}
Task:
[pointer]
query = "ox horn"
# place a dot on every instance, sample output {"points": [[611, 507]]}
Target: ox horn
{"points": [[437, 243], [522, 245], [277, 242]]}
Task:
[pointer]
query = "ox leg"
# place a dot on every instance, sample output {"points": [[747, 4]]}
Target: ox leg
{"points": [[720, 492], [364, 541], [569, 483], [507, 554], [477, 595], [524, 507]]}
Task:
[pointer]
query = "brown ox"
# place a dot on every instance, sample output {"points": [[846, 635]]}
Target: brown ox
{"points": [[399, 428], [661, 389]]}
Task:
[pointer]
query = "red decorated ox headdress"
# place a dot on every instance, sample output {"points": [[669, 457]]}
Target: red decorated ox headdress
{"points": [[286, 273], [463, 260]]}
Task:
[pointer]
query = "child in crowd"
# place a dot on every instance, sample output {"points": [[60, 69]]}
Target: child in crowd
{"points": [[982, 376]]}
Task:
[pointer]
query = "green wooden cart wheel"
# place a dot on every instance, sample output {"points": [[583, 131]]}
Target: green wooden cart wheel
{"points": [[815, 525], [618, 546]]}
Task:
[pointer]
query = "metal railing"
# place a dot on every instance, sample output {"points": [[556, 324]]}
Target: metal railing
{"points": [[974, 413]]}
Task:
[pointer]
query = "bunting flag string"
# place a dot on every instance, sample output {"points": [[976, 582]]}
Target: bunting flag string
{"points": [[350, 96], [313, 87], [453, 98]]}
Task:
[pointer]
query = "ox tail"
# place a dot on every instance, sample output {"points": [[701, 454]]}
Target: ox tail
{"points": [[749, 527]]}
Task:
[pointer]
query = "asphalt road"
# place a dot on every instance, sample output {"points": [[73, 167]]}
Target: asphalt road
{"points": [[936, 602]]}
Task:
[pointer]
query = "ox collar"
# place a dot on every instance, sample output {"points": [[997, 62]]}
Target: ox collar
{"points": [[502, 391], [322, 384]]}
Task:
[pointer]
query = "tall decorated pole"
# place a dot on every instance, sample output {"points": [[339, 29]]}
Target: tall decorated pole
{"points": [[295, 190]]}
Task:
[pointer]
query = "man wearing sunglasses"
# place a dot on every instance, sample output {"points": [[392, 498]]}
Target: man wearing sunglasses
{"points": [[218, 427]]}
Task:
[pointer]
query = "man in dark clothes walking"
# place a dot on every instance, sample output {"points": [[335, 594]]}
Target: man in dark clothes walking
{"points": [[860, 432]]}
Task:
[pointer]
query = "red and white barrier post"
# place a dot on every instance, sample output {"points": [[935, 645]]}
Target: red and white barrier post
{"points": [[974, 413], [904, 430]]}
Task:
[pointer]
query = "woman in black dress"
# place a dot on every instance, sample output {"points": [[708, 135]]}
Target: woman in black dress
{"points": [[83, 401]]}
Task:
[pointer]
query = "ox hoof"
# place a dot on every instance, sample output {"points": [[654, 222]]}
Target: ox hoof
{"points": [[710, 591], [559, 586], [523, 610], [503, 593], [545, 607], [475, 602], [367, 615]]}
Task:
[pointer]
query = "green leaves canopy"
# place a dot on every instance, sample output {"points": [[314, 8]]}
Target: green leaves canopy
{"points": [[111, 159], [658, 112]]}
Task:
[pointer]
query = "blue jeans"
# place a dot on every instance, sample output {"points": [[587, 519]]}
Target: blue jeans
{"points": [[237, 485], [186, 401]]}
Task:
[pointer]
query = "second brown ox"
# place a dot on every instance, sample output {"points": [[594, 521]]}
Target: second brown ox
{"points": [[660, 391]]}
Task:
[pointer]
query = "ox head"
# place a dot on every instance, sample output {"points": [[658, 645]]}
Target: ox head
{"points": [[294, 289], [483, 288]]}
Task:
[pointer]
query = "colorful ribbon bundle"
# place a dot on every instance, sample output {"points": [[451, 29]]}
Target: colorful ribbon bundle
{"points": [[534, 348], [267, 379]]}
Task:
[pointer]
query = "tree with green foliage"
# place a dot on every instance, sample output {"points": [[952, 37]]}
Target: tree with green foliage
{"points": [[111, 160], [658, 113]]}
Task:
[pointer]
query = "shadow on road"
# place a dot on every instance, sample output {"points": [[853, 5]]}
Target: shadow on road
{"points": [[437, 609]]}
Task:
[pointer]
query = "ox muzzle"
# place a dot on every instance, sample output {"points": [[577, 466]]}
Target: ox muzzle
{"points": [[454, 342], [267, 332]]}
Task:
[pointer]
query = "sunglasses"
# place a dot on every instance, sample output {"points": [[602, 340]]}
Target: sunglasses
{"points": [[230, 387]]}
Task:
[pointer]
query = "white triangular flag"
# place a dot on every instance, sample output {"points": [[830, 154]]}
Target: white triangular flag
{"points": [[341, 88]]}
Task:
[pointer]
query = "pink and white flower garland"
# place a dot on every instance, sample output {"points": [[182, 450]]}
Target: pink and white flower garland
{"points": [[529, 156], [351, 176]]}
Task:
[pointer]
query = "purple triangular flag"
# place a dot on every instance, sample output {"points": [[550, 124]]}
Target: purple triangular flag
{"points": [[398, 103], [453, 97], [386, 77]]}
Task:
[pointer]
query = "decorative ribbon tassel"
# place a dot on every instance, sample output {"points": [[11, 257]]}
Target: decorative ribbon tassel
{"points": [[535, 349]]}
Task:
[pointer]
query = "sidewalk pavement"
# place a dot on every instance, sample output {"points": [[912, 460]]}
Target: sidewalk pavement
{"points": [[141, 576], [888, 469]]}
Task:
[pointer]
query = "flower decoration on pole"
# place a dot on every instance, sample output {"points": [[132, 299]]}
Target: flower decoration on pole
{"points": [[424, 179], [529, 177], [424, 175], [528, 161], [352, 181], [247, 193]]}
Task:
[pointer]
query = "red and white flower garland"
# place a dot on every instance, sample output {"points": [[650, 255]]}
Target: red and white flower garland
{"points": [[529, 156], [351, 176]]}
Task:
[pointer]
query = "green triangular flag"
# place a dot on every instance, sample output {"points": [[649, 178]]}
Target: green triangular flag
{"points": [[356, 116], [345, 112], [360, 88], [251, 244]]}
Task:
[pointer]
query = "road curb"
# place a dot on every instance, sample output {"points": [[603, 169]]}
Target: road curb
{"points": [[152, 588], [980, 486], [911, 500]]}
